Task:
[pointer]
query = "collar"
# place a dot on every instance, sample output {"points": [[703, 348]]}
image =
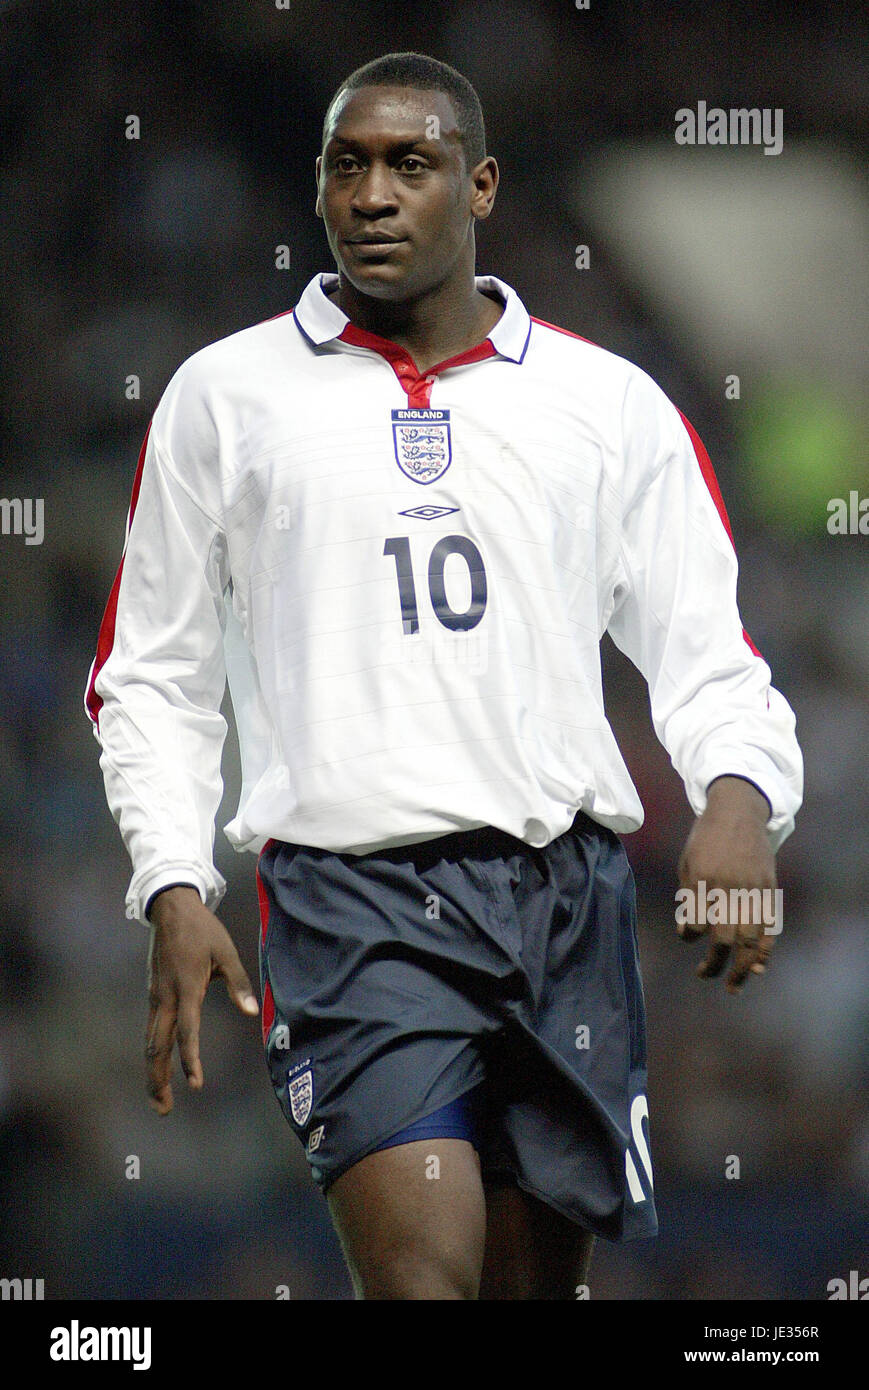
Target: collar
{"points": [[321, 321]]}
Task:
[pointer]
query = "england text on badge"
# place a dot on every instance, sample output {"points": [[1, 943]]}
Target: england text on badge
{"points": [[421, 439]]}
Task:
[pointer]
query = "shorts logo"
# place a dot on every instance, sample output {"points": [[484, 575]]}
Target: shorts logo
{"points": [[422, 443], [301, 1091]]}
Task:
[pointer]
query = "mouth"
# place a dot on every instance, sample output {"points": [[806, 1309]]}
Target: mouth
{"points": [[375, 239]]}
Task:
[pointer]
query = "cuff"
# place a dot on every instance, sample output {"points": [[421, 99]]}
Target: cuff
{"points": [[209, 884], [764, 776]]}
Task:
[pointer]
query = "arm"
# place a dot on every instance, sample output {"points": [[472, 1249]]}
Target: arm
{"points": [[157, 683], [154, 697], [729, 733]]}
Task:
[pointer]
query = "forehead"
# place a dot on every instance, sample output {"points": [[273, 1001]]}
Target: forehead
{"points": [[379, 114]]}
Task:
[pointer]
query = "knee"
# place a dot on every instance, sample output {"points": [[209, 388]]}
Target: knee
{"points": [[419, 1272]]}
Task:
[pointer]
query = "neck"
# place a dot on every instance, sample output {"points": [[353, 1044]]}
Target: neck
{"points": [[440, 324]]}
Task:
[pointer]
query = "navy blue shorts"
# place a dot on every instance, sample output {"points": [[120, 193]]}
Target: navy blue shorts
{"points": [[470, 966]]}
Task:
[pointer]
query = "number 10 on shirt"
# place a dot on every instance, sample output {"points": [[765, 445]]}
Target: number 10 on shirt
{"points": [[399, 548]]}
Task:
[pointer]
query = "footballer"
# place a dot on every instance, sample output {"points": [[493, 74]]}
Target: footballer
{"points": [[398, 519]]}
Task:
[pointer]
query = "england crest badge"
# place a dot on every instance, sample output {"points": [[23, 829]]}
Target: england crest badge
{"points": [[301, 1092], [421, 439]]}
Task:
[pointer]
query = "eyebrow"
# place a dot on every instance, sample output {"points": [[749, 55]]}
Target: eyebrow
{"points": [[397, 147]]}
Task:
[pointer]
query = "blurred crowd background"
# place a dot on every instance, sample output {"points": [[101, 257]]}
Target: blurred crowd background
{"points": [[122, 257]]}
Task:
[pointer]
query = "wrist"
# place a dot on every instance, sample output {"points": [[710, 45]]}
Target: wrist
{"points": [[734, 793], [167, 900]]}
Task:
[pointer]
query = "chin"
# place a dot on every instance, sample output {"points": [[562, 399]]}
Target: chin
{"points": [[377, 284]]}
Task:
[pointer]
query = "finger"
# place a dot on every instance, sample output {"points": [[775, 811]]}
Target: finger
{"points": [[743, 956], [189, 1015], [715, 961], [763, 953], [689, 933], [158, 1053], [753, 946], [750, 958], [238, 986]]}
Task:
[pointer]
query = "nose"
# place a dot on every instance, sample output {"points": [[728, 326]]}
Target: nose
{"points": [[374, 193]]}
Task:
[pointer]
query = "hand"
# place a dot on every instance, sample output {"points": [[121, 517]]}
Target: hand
{"points": [[728, 848], [189, 946]]}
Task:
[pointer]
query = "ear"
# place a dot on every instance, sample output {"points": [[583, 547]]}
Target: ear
{"points": [[485, 178], [317, 208]]}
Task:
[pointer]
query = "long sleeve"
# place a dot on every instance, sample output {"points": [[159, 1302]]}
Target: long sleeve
{"points": [[157, 682], [676, 617]]}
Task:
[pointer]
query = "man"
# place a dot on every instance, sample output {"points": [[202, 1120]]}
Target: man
{"points": [[399, 519]]}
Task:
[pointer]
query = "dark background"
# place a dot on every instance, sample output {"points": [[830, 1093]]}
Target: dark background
{"points": [[123, 257]]}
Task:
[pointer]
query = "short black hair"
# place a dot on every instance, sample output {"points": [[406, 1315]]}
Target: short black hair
{"points": [[430, 75]]}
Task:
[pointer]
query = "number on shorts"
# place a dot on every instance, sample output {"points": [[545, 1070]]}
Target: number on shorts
{"points": [[639, 1112]]}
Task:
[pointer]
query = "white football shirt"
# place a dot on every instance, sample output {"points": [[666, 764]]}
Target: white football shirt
{"points": [[405, 580]]}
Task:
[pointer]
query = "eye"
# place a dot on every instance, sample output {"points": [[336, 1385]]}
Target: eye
{"points": [[412, 159], [342, 163]]}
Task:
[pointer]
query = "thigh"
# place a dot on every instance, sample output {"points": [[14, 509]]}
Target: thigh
{"points": [[572, 1075], [373, 1013], [532, 1251], [411, 1220]]}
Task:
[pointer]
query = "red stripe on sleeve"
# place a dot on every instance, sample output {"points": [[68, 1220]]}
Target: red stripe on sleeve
{"points": [[708, 472], [711, 482], [106, 638]]}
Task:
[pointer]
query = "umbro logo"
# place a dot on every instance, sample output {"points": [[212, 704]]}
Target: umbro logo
{"points": [[428, 513]]}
